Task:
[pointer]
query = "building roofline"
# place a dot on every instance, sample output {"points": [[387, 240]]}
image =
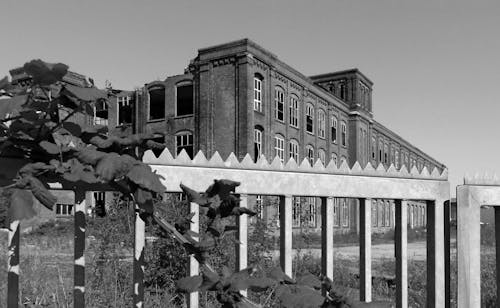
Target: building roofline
{"points": [[410, 146], [346, 71]]}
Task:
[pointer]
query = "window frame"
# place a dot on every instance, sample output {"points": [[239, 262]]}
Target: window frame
{"points": [[309, 114], [294, 150], [334, 129], [279, 100], [343, 126], [322, 156], [293, 111], [310, 150], [321, 124], [345, 213], [258, 133], [279, 151], [181, 134], [156, 88], [125, 101], [257, 101]]}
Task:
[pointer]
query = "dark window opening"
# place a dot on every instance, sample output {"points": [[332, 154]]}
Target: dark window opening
{"points": [[156, 104], [309, 123], [342, 91], [184, 100], [124, 110]]}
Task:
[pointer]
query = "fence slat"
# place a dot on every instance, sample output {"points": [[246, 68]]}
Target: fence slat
{"points": [[13, 270], [242, 237], [194, 266], [401, 254], [435, 254], [497, 249], [327, 237], [139, 242], [447, 259], [365, 250], [286, 234], [79, 255]]}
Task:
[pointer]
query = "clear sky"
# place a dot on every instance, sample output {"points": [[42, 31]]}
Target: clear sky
{"points": [[435, 64]]}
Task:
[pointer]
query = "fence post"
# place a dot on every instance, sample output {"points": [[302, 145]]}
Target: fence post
{"points": [[468, 248], [139, 243], [365, 250], [13, 270], [447, 259], [242, 237], [79, 251], [286, 234], [435, 254], [194, 266], [327, 237], [401, 254]]}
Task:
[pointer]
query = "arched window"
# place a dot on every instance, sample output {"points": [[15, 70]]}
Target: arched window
{"points": [[322, 156], [279, 147], [184, 141], [333, 124], [342, 90], [396, 159], [184, 99], [293, 115], [279, 104], [344, 134], [321, 124], [343, 159], [310, 118], [257, 92], [293, 150], [156, 103], [380, 151], [258, 133], [310, 154]]}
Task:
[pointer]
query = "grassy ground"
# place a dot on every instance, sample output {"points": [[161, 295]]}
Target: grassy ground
{"points": [[47, 275]]}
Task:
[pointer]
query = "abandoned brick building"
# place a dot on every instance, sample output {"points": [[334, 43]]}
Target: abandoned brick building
{"points": [[238, 97]]}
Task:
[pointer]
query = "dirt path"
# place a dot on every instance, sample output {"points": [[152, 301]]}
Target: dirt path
{"points": [[416, 251]]}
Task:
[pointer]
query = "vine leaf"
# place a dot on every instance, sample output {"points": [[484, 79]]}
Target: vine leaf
{"points": [[21, 205], [189, 284], [45, 73], [310, 280], [49, 147], [143, 176], [41, 193], [72, 128], [277, 274]]}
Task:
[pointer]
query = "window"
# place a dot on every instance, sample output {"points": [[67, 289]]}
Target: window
{"points": [[345, 213], [374, 213], [64, 209], [257, 93], [279, 147], [321, 124], [387, 214], [344, 134], [293, 150], [184, 141], [258, 206], [311, 211], [309, 118], [310, 154], [396, 159], [386, 154], [100, 203], [380, 213], [296, 212], [96, 120], [322, 156], [124, 110], [342, 90], [343, 159], [334, 159], [293, 114], [184, 100], [380, 150], [257, 142], [374, 149], [279, 104], [334, 129], [336, 212], [157, 103]]}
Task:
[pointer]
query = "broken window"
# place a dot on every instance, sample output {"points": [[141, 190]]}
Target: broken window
{"points": [[257, 142], [184, 104], [124, 110], [156, 103]]}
